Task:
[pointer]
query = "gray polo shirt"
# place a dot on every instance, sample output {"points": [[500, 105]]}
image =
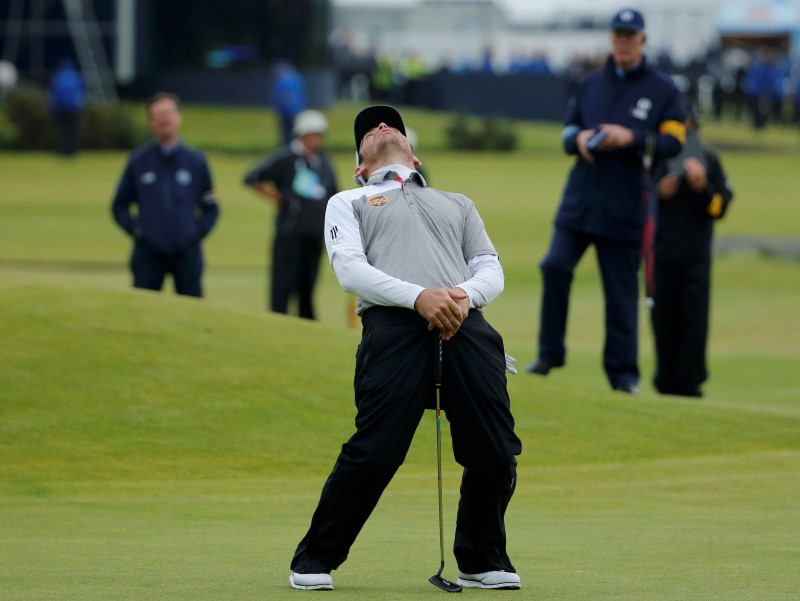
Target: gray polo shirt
{"points": [[412, 236]]}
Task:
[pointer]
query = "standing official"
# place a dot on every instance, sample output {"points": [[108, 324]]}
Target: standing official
{"points": [[693, 192], [67, 100], [419, 260], [300, 179], [616, 115], [288, 97], [169, 184]]}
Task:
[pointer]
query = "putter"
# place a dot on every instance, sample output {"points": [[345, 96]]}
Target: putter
{"points": [[437, 580]]}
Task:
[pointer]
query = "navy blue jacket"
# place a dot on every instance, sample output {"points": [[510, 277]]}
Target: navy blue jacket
{"points": [[173, 194], [604, 198], [67, 91]]}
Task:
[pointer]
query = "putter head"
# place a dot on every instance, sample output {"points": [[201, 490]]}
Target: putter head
{"points": [[444, 584]]}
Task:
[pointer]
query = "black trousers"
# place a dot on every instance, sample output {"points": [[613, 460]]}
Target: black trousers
{"points": [[680, 326], [393, 387], [68, 131], [619, 267], [286, 123], [150, 266], [295, 266]]}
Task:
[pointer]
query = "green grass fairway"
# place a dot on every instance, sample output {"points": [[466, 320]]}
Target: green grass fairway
{"points": [[157, 447]]}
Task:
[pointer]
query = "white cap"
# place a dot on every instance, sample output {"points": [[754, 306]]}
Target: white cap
{"points": [[310, 122]]}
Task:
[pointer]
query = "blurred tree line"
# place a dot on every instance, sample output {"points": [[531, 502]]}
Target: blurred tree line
{"points": [[26, 123]]}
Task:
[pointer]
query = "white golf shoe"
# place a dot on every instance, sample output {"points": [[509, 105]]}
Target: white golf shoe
{"points": [[311, 582], [496, 580]]}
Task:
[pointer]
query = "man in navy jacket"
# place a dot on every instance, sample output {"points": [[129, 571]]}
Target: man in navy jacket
{"points": [[617, 115], [170, 184]]}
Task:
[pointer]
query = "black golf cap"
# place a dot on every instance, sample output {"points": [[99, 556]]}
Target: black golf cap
{"points": [[372, 117]]}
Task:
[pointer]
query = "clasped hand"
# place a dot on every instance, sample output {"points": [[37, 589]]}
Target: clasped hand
{"points": [[443, 308]]}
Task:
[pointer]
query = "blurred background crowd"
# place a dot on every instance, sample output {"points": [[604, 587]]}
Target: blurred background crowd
{"points": [[735, 57]]}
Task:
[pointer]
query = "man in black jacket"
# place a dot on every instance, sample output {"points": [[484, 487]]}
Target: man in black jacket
{"points": [[170, 185], [693, 192], [300, 179]]}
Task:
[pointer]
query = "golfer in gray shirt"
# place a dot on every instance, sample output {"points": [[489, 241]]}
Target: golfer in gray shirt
{"points": [[419, 260]]}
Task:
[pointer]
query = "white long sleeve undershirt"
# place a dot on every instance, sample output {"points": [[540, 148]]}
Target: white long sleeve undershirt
{"points": [[355, 275]]}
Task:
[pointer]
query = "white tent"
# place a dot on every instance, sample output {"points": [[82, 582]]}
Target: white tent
{"points": [[776, 22]]}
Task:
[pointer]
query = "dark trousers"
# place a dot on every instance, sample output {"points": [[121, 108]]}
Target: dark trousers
{"points": [[295, 266], [393, 387], [680, 326], [287, 128], [68, 132], [150, 266], [619, 266]]}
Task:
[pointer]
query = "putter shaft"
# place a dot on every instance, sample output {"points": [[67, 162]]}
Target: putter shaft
{"points": [[437, 580]]}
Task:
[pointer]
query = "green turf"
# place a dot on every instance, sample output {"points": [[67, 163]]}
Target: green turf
{"points": [[157, 447]]}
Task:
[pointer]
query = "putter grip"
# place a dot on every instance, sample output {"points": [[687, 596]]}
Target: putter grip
{"points": [[437, 360]]}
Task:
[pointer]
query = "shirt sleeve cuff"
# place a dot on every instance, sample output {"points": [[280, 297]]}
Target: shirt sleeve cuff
{"points": [[413, 293]]}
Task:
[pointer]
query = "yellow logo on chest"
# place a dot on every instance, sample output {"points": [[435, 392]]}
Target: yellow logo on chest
{"points": [[377, 201]]}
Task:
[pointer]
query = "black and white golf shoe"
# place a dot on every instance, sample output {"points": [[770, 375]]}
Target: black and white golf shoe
{"points": [[311, 582], [495, 580]]}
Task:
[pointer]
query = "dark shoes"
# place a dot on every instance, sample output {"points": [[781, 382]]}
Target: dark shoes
{"points": [[541, 367], [692, 392]]}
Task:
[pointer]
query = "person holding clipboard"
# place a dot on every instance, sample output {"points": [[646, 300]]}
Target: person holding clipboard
{"points": [[622, 118], [693, 192]]}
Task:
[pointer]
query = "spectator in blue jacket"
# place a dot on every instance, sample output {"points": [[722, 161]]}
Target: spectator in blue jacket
{"points": [[618, 114], [170, 185], [797, 100], [758, 88], [67, 101], [288, 98]]}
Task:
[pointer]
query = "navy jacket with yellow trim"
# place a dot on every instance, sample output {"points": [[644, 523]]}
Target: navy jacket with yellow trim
{"points": [[604, 198]]}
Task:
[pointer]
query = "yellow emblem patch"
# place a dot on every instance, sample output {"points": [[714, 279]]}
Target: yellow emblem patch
{"points": [[377, 201]]}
